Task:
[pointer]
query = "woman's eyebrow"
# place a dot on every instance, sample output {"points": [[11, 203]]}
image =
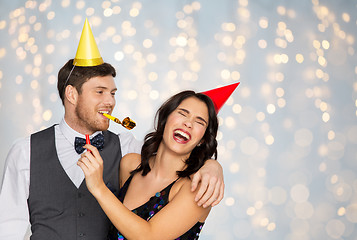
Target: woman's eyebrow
{"points": [[185, 110]]}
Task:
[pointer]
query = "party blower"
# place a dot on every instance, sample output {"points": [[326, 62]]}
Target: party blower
{"points": [[127, 122]]}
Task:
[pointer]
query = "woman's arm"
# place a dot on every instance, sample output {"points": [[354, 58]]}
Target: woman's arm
{"points": [[177, 217]]}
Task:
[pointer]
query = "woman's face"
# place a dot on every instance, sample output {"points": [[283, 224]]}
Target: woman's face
{"points": [[186, 126]]}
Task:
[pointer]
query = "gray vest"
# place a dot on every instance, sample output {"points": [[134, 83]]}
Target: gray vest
{"points": [[58, 210]]}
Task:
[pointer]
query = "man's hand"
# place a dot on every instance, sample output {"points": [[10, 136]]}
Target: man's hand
{"points": [[211, 190]]}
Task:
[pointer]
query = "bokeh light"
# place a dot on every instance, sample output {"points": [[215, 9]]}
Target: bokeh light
{"points": [[287, 136]]}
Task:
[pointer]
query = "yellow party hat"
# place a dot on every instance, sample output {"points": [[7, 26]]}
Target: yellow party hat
{"points": [[87, 52]]}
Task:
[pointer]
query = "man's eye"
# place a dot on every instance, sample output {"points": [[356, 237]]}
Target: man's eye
{"points": [[99, 92], [113, 93]]}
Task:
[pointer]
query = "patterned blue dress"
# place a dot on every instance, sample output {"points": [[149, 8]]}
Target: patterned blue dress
{"points": [[154, 205]]}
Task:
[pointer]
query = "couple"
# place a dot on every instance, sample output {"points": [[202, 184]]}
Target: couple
{"points": [[43, 185]]}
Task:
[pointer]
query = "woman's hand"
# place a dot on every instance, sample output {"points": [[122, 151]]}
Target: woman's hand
{"points": [[92, 165]]}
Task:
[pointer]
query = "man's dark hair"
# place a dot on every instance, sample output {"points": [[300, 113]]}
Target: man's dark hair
{"points": [[80, 75], [199, 154]]}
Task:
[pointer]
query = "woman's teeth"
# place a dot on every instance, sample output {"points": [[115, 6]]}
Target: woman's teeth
{"points": [[182, 134]]}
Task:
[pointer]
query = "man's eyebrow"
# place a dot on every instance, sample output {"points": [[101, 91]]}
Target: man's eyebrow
{"points": [[101, 87], [198, 117]]}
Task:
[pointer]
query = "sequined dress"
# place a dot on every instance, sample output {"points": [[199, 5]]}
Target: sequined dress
{"points": [[154, 205]]}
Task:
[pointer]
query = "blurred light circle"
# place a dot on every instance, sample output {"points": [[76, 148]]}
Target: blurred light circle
{"points": [[271, 108], [229, 201], [251, 211], [47, 115], [230, 122], [304, 210], [351, 213], [119, 56], [249, 146], [342, 192], [299, 193], [234, 168], [335, 228]]}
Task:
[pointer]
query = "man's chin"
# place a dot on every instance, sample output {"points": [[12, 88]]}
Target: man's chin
{"points": [[100, 126], [103, 127]]}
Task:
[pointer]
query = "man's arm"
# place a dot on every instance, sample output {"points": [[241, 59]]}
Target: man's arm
{"points": [[14, 217], [211, 189], [129, 144]]}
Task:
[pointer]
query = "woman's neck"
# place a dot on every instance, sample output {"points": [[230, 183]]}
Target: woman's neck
{"points": [[166, 163]]}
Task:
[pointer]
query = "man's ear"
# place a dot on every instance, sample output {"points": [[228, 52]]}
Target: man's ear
{"points": [[71, 94]]}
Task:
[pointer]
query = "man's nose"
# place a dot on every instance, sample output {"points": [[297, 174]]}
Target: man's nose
{"points": [[109, 99]]}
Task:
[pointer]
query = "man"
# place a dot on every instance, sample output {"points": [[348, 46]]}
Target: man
{"points": [[42, 184]]}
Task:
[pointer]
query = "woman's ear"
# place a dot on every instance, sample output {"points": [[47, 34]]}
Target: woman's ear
{"points": [[199, 144], [71, 94]]}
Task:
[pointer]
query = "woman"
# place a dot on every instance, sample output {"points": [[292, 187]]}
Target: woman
{"points": [[155, 185]]}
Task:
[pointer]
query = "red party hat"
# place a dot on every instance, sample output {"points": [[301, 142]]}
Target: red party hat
{"points": [[220, 95]]}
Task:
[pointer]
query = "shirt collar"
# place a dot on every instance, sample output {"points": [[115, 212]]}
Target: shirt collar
{"points": [[70, 134]]}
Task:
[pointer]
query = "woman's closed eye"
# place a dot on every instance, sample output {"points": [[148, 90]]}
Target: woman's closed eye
{"points": [[201, 123], [182, 113]]}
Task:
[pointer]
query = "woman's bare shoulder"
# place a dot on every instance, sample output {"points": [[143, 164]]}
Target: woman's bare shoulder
{"points": [[128, 163], [181, 194], [181, 185]]}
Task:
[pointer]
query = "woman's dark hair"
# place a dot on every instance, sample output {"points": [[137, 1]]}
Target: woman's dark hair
{"points": [[80, 75], [199, 154]]}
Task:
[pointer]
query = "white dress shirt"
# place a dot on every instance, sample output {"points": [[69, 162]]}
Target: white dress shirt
{"points": [[14, 213]]}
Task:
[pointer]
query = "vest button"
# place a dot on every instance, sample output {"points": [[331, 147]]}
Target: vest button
{"points": [[81, 234], [80, 214]]}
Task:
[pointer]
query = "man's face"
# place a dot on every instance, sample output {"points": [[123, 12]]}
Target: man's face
{"points": [[97, 96]]}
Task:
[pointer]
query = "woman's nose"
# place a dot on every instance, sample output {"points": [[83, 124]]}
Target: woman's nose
{"points": [[188, 123]]}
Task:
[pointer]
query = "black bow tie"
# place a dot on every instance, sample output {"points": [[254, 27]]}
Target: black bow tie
{"points": [[97, 141]]}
